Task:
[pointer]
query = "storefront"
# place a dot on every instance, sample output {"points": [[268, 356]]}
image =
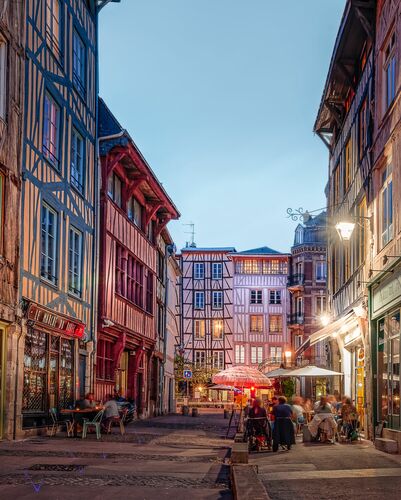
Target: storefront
{"points": [[386, 332], [51, 364]]}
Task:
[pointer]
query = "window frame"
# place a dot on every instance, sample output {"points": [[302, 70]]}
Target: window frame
{"points": [[276, 330], [52, 157], [113, 181], [196, 270], [321, 278], [256, 354], [275, 297], [219, 275], [3, 78], [72, 275], [217, 304], [201, 305], [239, 353], [220, 330], [219, 357], [54, 42], [256, 323], [256, 297], [202, 355], [386, 190], [199, 329], [389, 68], [78, 181], [44, 257], [79, 80]]}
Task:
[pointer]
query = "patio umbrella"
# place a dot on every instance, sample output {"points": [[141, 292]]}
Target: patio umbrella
{"points": [[278, 373], [312, 371], [241, 376]]}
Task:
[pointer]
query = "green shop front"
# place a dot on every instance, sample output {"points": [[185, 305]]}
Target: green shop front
{"points": [[385, 327]]}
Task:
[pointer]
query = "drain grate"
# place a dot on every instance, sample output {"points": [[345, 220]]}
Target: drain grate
{"points": [[58, 467]]}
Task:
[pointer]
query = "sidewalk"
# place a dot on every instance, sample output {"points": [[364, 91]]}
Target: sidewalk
{"points": [[170, 457], [314, 471]]}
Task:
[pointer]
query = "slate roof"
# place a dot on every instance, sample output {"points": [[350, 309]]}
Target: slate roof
{"points": [[260, 251], [209, 249]]}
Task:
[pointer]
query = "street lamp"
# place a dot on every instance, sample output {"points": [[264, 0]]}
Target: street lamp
{"points": [[287, 356], [325, 319], [345, 230]]}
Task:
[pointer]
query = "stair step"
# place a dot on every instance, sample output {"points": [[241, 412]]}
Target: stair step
{"points": [[386, 445]]}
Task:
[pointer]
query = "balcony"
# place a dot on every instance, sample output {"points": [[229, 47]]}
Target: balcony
{"points": [[295, 319], [295, 281]]}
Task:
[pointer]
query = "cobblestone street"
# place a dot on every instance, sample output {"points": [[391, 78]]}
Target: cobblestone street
{"points": [[166, 457]]}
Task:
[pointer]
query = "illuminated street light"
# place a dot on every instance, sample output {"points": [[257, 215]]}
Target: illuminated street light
{"points": [[345, 230], [325, 319]]}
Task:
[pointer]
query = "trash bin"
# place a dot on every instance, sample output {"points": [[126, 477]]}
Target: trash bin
{"points": [[195, 412], [185, 410]]}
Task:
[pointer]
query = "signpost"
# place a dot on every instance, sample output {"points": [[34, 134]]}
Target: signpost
{"points": [[187, 374]]}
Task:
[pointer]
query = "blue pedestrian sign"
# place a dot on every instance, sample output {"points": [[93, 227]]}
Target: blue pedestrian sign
{"points": [[187, 374]]}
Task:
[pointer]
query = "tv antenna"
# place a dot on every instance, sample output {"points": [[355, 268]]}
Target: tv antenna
{"points": [[191, 243]]}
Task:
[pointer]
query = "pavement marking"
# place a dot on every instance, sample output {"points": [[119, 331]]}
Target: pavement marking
{"points": [[332, 474]]}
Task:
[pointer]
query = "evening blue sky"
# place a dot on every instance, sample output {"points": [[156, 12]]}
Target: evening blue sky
{"points": [[221, 96]]}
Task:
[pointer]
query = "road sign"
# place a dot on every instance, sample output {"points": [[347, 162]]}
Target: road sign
{"points": [[187, 374]]}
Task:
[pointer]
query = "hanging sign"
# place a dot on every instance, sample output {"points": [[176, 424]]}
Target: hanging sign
{"points": [[49, 320], [187, 374]]}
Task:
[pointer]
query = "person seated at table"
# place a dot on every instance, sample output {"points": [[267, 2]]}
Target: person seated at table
{"points": [[298, 410], [323, 406], [283, 431], [87, 402], [110, 411], [323, 424]]}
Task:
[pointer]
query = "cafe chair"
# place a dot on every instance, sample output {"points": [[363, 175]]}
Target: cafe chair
{"points": [[96, 422], [69, 426], [117, 420]]}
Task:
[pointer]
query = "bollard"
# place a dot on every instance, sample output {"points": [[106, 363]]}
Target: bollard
{"points": [[185, 410], [194, 412]]}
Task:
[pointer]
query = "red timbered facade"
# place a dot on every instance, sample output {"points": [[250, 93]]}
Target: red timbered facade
{"points": [[134, 208]]}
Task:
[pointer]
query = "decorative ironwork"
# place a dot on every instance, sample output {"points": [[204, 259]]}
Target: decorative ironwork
{"points": [[66, 396], [35, 372]]}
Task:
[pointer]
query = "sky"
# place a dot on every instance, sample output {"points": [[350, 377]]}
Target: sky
{"points": [[221, 96]]}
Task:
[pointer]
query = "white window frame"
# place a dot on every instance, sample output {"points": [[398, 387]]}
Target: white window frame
{"points": [[239, 353], [75, 252], [200, 359], [217, 299], [217, 329], [275, 297], [386, 207], [199, 300], [256, 297], [297, 341], [218, 360], [275, 332], [321, 270], [199, 329], [53, 26], [259, 323], [276, 354], [321, 305], [51, 130], [256, 354], [49, 244], [78, 62], [217, 270], [199, 270], [77, 161], [3, 79]]}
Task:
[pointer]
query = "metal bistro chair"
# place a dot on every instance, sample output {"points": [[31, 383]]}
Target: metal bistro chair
{"points": [[96, 422], [118, 420], [69, 426]]}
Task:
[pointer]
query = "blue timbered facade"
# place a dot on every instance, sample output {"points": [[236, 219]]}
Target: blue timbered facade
{"points": [[59, 193]]}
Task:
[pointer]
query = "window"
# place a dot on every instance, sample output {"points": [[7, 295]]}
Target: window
{"points": [[149, 292], [321, 270], [199, 328], [134, 280], [297, 341], [3, 78], [348, 164], [78, 63], [217, 300], [320, 305], [114, 188], [217, 271], [390, 72], [218, 360], [200, 359], [51, 130], [360, 240], [256, 354], [150, 232], [275, 297], [336, 192], [53, 26], [217, 329], [248, 266], [275, 323], [256, 323], [299, 306], [276, 354], [134, 211], [386, 201], [75, 262], [121, 262], [239, 354], [299, 236], [199, 300], [363, 129], [77, 161], [2, 204], [256, 296], [104, 360], [48, 268], [199, 270]]}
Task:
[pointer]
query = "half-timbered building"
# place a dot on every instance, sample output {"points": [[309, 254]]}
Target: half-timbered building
{"points": [[134, 209], [12, 31], [261, 304], [207, 307], [58, 206], [345, 124]]}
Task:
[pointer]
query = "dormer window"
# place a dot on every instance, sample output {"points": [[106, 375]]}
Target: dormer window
{"points": [[134, 211], [299, 236], [114, 188]]}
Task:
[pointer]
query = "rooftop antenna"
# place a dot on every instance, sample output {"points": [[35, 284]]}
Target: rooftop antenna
{"points": [[191, 243]]}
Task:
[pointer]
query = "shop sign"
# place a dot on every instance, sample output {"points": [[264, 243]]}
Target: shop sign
{"points": [[384, 295], [47, 319]]}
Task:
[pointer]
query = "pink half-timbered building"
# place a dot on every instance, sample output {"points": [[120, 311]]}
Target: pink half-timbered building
{"points": [[207, 307], [261, 304]]}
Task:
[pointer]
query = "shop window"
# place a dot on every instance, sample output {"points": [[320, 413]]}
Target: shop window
{"points": [[104, 360], [199, 329], [35, 372]]}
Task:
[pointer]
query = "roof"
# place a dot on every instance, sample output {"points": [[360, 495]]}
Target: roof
{"points": [[260, 251], [209, 249]]}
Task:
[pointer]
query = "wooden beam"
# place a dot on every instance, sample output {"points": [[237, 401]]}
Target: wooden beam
{"points": [[346, 74], [366, 24], [112, 161]]}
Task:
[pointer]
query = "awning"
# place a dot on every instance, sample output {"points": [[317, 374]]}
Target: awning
{"points": [[344, 323]]}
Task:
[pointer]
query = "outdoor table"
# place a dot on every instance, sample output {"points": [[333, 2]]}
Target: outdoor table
{"points": [[75, 412]]}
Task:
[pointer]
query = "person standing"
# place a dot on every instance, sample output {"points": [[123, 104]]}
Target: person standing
{"points": [[283, 432]]}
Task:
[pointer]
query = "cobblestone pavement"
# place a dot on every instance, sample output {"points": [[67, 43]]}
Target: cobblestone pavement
{"points": [[330, 472], [167, 457]]}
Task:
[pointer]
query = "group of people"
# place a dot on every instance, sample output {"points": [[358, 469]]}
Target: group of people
{"points": [[110, 407], [279, 420]]}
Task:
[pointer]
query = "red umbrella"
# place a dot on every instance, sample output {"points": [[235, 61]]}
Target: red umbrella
{"points": [[241, 376]]}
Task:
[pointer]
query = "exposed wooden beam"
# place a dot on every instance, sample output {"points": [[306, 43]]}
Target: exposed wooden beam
{"points": [[366, 24], [346, 74]]}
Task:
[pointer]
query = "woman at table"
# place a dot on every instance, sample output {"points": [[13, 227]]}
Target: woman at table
{"points": [[87, 402], [110, 411]]}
